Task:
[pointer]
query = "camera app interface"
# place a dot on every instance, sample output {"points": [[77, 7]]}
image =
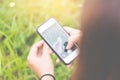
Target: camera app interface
{"points": [[57, 38]]}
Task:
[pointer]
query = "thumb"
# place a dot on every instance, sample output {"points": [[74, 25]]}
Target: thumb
{"points": [[70, 43], [46, 49]]}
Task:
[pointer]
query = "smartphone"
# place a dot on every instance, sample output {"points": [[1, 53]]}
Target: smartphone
{"points": [[57, 39]]}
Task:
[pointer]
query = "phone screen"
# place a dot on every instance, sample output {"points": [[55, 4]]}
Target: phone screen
{"points": [[57, 38]]}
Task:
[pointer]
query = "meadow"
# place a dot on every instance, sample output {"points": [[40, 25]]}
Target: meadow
{"points": [[18, 22]]}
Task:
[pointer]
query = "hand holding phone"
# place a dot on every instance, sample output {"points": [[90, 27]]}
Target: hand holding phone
{"points": [[57, 39], [74, 37]]}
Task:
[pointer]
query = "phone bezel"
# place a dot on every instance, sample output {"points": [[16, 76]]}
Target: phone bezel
{"points": [[47, 25]]}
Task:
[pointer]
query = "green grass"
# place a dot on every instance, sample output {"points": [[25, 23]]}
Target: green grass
{"points": [[18, 32]]}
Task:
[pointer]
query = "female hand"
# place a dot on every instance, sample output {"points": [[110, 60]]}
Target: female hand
{"points": [[39, 59], [75, 36]]}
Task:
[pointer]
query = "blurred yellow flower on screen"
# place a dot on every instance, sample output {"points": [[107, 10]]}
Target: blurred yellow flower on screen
{"points": [[12, 4]]}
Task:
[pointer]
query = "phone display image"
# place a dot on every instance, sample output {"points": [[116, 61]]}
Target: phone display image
{"points": [[59, 47], [57, 39]]}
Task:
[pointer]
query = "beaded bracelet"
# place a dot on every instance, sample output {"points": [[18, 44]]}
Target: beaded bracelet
{"points": [[47, 75]]}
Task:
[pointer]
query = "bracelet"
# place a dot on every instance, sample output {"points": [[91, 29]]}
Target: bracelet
{"points": [[47, 75]]}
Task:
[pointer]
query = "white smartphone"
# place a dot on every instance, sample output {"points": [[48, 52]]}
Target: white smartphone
{"points": [[57, 39]]}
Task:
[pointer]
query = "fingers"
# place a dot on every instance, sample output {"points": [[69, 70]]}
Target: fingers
{"points": [[46, 50], [70, 44], [69, 65], [38, 44], [68, 29], [50, 51], [34, 48], [58, 61], [34, 51]]}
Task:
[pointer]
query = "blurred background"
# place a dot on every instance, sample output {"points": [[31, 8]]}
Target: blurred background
{"points": [[18, 22]]}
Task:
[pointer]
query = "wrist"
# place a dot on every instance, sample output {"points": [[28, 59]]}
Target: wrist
{"points": [[47, 77], [47, 72], [43, 72]]}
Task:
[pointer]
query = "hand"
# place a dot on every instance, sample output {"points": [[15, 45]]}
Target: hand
{"points": [[39, 59], [75, 36]]}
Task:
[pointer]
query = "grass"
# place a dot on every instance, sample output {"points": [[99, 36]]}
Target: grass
{"points": [[18, 22]]}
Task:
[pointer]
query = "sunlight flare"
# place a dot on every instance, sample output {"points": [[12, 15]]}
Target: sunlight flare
{"points": [[12, 4]]}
